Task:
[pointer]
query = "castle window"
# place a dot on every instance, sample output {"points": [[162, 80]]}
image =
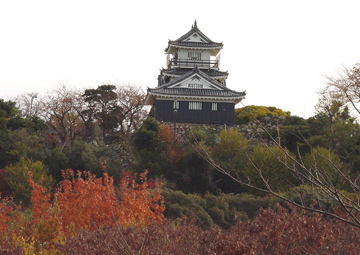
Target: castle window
{"points": [[195, 106], [176, 105], [194, 55], [214, 106]]}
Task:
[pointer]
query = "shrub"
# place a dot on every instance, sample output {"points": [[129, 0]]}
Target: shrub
{"points": [[248, 113]]}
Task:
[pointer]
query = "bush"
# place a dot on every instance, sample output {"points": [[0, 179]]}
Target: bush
{"points": [[273, 231], [223, 210], [248, 113]]}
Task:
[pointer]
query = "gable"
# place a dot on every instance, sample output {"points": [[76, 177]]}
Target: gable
{"points": [[196, 81], [195, 37]]}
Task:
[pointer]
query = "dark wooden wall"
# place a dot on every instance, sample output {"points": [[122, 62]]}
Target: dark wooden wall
{"points": [[164, 111]]}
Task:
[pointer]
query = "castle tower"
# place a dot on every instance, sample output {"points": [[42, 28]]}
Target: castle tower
{"points": [[192, 89]]}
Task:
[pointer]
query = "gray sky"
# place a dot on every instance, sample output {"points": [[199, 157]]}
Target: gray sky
{"points": [[278, 51]]}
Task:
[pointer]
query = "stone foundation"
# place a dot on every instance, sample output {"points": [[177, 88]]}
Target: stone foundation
{"points": [[254, 131]]}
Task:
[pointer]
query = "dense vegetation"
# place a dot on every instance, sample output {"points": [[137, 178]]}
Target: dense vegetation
{"points": [[139, 188], [247, 114]]}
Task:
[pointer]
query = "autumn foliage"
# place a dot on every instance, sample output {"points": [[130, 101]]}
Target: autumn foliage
{"points": [[6, 210], [89, 215], [283, 230], [81, 202], [169, 139]]}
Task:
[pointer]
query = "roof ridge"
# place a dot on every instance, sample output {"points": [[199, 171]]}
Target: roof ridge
{"points": [[194, 28]]}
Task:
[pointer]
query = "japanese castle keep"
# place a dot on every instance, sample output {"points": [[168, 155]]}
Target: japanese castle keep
{"points": [[192, 89]]}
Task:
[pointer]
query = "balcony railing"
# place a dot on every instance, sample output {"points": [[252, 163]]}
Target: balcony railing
{"points": [[193, 62]]}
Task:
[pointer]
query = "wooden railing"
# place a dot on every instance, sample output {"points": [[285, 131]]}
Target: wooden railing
{"points": [[193, 62]]}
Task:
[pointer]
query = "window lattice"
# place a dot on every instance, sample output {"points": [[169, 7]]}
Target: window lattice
{"points": [[194, 55], [195, 106], [214, 106]]}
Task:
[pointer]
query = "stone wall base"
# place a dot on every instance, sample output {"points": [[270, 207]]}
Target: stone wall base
{"points": [[254, 131]]}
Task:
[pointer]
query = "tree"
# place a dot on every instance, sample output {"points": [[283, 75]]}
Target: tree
{"points": [[173, 150], [322, 162], [5, 190], [22, 143], [270, 164], [150, 148], [56, 161], [292, 132], [343, 91], [104, 106], [335, 128], [194, 174], [346, 86], [85, 156], [29, 104], [324, 187], [60, 111], [131, 100], [8, 111], [148, 136], [19, 136], [117, 109], [231, 152], [17, 176]]}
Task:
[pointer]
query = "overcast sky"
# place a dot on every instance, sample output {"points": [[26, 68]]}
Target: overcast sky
{"points": [[278, 51]]}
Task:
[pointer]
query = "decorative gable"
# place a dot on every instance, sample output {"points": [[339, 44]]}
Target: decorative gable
{"points": [[195, 37], [195, 81]]}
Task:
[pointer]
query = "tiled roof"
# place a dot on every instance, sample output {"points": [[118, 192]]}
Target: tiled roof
{"points": [[194, 29], [196, 92], [196, 44]]}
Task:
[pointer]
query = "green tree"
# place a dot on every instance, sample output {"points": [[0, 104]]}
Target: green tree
{"points": [[93, 157], [17, 176], [104, 106], [150, 149], [269, 167], [194, 174], [334, 128], [19, 136], [230, 153], [8, 111], [326, 164], [56, 161], [148, 136], [293, 132]]}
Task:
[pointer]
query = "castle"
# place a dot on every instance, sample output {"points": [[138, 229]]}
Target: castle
{"points": [[192, 89]]}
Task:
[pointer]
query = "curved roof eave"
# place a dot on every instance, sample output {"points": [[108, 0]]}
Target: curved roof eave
{"points": [[216, 49], [199, 97]]}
